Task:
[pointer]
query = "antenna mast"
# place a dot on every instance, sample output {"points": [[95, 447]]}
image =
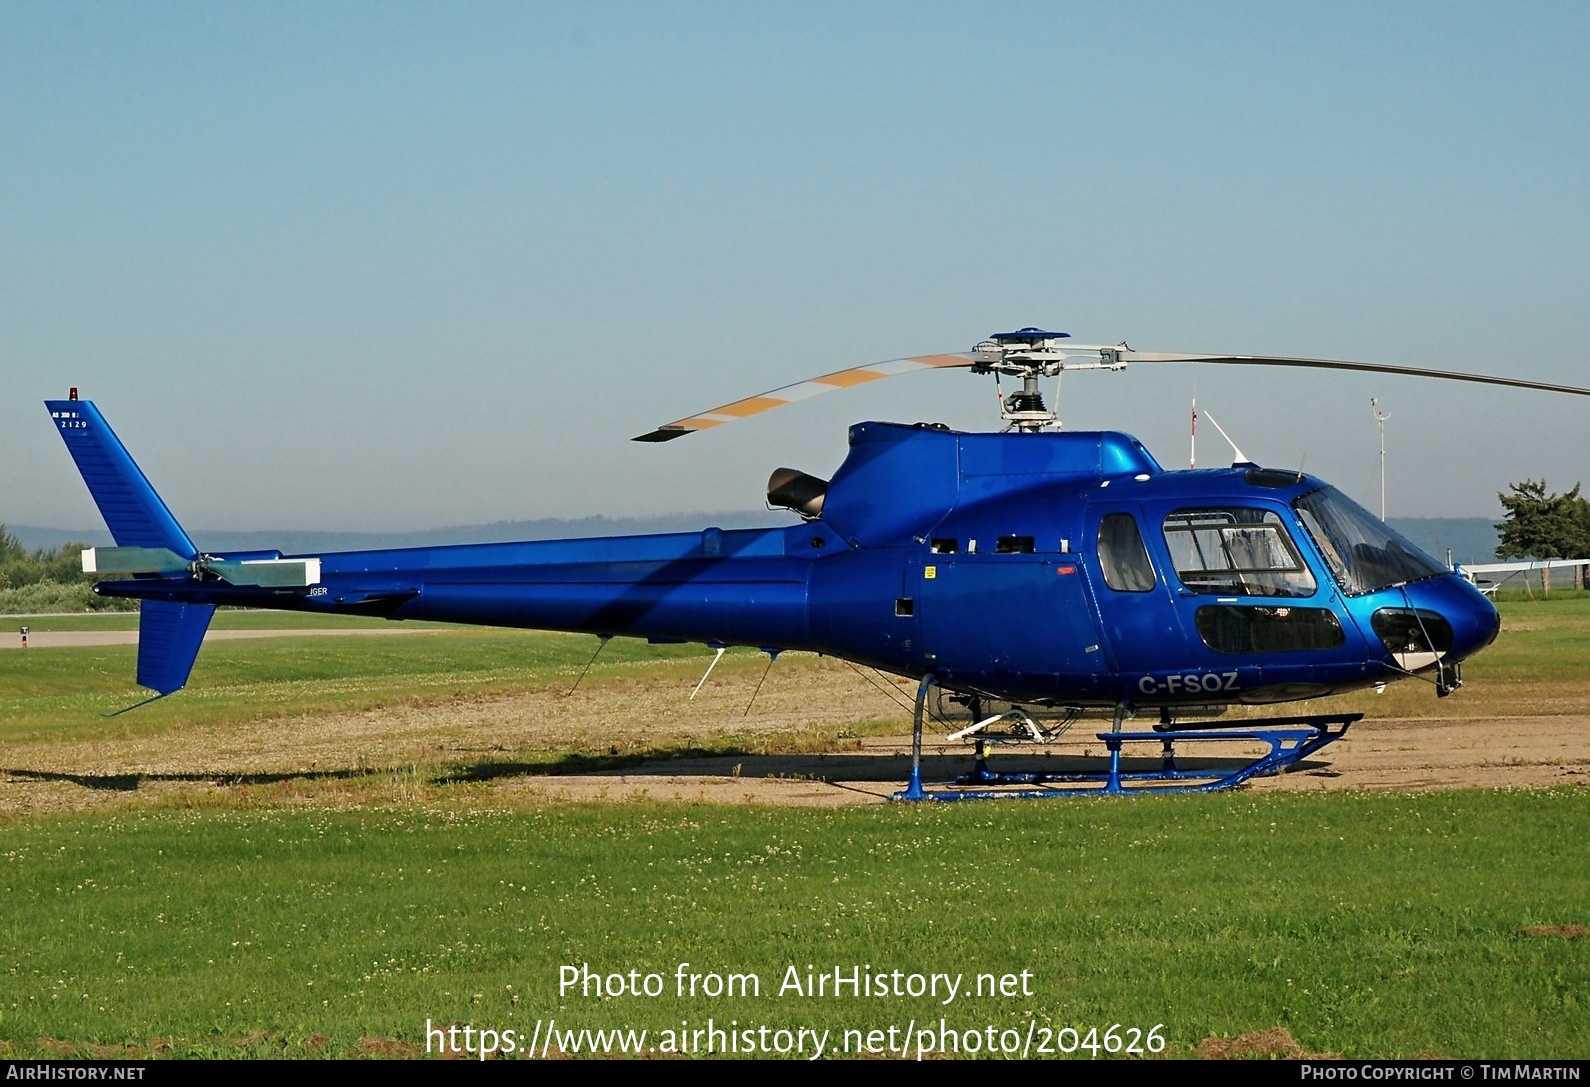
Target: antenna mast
{"points": [[1380, 418]]}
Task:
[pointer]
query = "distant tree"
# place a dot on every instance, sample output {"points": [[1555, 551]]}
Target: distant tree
{"points": [[13, 561], [1541, 525], [49, 579], [62, 565], [11, 554]]}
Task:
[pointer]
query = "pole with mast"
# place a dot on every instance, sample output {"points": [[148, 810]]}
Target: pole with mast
{"points": [[1380, 418]]}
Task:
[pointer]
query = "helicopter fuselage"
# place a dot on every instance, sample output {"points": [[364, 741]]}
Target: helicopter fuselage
{"points": [[1052, 568]]}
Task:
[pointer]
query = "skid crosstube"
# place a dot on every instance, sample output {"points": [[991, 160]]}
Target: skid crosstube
{"points": [[1290, 740]]}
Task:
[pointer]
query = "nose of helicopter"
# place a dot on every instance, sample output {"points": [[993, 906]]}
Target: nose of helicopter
{"points": [[1439, 617]]}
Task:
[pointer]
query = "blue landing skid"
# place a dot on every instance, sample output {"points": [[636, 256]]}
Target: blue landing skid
{"points": [[1290, 739]]}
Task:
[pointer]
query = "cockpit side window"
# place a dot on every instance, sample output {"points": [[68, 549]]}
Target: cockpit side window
{"points": [[1236, 551], [1122, 555]]}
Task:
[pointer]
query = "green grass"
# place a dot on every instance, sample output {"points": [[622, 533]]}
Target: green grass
{"points": [[62, 691], [1370, 926], [225, 619], [1532, 595], [1541, 641]]}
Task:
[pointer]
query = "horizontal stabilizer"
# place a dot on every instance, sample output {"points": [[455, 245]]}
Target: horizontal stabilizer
{"points": [[169, 637], [266, 573], [133, 560], [263, 573]]}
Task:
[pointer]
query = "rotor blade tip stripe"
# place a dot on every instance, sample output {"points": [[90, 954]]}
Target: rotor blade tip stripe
{"points": [[777, 398], [844, 379], [751, 405]]}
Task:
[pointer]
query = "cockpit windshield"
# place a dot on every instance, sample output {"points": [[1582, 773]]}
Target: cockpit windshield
{"points": [[1363, 553]]}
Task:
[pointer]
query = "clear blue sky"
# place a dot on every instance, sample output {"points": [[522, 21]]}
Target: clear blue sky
{"points": [[395, 266]]}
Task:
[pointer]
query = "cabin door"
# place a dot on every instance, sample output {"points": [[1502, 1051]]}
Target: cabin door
{"points": [[1006, 615], [1137, 612]]}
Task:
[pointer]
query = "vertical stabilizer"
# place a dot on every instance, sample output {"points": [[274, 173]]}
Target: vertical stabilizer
{"points": [[169, 636], [132, 510], [169, 632]]}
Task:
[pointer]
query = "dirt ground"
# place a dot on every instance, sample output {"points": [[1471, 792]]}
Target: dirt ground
{"points": [[1399, 755], [501, 750]]}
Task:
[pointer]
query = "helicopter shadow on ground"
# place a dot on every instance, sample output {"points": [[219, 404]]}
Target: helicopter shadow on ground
{"points": [[130, 782], [839, 768]]}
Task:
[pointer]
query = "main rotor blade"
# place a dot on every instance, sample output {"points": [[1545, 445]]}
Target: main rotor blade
{"points": [[1334, 364], [801, 390]]}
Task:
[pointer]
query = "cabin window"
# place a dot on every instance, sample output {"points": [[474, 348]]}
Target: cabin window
{"points": [[1243, 629], [943, 546], [1122, 555], [1015, 545], [1237, 552]]}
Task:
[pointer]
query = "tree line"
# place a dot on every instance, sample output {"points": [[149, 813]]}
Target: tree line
{"points": [[19, 567], [47, 579]]}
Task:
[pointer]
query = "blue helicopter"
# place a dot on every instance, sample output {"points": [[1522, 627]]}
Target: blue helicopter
{"points": [[1028, 576]]}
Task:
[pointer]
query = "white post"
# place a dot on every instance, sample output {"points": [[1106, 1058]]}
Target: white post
{"points": [[1380, 418]]}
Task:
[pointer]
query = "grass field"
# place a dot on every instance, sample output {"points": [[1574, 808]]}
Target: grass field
{"points": [[1366, 926], [62, 691], [334, 913]]}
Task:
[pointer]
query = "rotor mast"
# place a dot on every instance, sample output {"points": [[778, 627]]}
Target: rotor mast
{"points": [[1030, 354]]}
